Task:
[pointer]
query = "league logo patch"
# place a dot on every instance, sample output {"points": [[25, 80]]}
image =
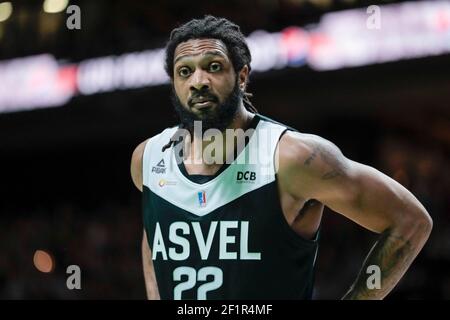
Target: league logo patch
{"points": [[202, 198]]}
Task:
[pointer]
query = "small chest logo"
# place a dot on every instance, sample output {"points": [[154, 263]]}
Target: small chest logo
{"points": [[246, 177], [164, 182], [160, 167], [202, 198]]}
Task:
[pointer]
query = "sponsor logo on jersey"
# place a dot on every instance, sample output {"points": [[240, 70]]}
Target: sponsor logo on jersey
{"points": [[202, 198], [246, 177], [164, 182], [160, 167]]}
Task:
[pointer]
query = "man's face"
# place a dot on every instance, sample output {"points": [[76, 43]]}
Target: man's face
{"points": [[205, 84]]}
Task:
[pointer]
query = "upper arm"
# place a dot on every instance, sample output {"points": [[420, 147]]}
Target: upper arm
{"points": [[136, 165], [314, 168]]}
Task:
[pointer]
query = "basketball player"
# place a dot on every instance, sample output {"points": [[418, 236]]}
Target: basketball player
{"points": [[238, 230]]}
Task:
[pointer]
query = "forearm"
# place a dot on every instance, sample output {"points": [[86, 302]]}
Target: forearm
{"points": [[313, 168], [151, 285], [393, 253]]}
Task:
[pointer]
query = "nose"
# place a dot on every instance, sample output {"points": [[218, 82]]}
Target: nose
{"points": [[200, 80]]}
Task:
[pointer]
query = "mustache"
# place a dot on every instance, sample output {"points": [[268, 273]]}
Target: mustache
{"points": [[202, 95]]}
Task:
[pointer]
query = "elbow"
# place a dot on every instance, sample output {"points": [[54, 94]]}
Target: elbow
{"points": [[425, 224], [418, 226], [423, 228]]}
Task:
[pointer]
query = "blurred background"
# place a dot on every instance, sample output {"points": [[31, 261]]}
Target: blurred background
{"points": [[79, 93]]}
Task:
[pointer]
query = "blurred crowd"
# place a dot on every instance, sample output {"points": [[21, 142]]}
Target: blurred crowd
{"points": [[105, 242]]}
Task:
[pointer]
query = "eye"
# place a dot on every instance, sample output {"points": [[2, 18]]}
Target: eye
{"points": [[184, 72], [215, 67]]}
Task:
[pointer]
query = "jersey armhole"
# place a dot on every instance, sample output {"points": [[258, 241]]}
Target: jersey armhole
{"points": [[146, 163], [276, 158], [298, 239], [151, 143]]}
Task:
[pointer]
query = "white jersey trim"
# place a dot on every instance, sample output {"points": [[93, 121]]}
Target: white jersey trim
{"points": [[169, 183]]}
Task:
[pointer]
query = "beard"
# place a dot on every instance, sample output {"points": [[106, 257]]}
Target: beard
{"points": [[219, 117]]}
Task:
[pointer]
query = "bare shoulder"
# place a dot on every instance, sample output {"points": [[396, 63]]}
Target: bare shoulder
{"points": [[136, 164], [308, 151], [139, 151], [309, 159]]}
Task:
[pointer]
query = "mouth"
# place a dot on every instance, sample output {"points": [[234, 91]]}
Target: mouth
{"points": [[202, 103]]}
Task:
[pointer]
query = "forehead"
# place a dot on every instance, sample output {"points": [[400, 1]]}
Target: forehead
{"points": [[195, 47]]}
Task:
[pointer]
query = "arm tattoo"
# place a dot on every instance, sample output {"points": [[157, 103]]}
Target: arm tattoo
{"points": [[393, 255], [332, 174], [311, 157], [333, 158]]}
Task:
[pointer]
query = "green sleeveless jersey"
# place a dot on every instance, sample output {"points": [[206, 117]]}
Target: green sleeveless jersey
{"points": [[223, 236]]}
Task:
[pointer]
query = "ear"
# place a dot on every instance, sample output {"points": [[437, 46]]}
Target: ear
{"points": [[243, 77]]}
